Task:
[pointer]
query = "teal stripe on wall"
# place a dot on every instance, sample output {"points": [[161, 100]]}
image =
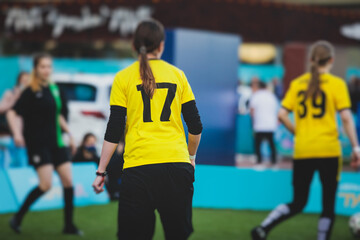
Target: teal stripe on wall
{"points": [[10, 68]]}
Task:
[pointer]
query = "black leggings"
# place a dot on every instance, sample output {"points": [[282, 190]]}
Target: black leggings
{"points": [[259, 137], [303, 172], [302, 176]]}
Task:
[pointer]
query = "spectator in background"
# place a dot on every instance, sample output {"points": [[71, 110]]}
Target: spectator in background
{"points": [[9, 98], [254, 84], [278, 88], [244, 94], [12, 155], [86, 152], [354, 90], [263, 109]]}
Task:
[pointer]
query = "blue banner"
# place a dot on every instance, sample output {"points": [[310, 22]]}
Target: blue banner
{"points": [[7, 200], [265, 72], [233, 188], [215, 187], [84, 175], [25, 179], [348, 196]]}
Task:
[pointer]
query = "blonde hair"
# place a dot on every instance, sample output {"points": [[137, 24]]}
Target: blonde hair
{"points": [[35, 81]]}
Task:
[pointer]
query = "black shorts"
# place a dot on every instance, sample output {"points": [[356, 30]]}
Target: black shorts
{"points": [[166, 187], [47, 155]]}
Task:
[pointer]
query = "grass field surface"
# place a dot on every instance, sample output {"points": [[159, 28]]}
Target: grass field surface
{"points": [[99, 223]]}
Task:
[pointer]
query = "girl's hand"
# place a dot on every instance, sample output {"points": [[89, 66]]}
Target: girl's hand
{"points": [[19, 140], [355, 160], [98, 184], [192, 162]]}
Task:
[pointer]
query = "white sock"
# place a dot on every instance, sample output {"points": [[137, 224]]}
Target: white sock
{"points": [[323, 228], [278, 212]]}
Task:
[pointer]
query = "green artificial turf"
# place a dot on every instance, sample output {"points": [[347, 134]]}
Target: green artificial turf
{"points": [[99, 223]]}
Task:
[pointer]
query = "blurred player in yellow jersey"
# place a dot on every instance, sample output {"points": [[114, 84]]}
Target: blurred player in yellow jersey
{"points": [[315, 98], [158, 163]]}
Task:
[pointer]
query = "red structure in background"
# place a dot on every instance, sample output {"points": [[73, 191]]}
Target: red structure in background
{"points": [[294, 62]]}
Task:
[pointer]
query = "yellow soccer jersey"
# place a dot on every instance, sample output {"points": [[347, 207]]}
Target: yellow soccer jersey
{"points": [[316, 132], [154, 131]]}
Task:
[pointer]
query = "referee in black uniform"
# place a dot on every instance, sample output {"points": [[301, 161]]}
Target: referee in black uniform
{"points": [[37, 121]]}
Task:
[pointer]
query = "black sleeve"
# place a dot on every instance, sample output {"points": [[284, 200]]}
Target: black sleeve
{"points": [[64, 105], [116, 125], [22, 104], [192, 117]]}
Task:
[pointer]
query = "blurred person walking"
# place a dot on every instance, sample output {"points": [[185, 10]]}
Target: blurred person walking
{"points": [[37, 121], [315, 98], [158, 163], [263, 110]]}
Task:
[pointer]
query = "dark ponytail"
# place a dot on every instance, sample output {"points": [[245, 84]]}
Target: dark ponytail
{"points": [[147, 77], [320, 55], [147, 38]]}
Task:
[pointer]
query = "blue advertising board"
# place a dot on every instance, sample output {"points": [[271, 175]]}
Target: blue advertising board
{"points": [[24, 179], [219, 187], [348, 195], [265, 72], [234, 188], [7, 200]]}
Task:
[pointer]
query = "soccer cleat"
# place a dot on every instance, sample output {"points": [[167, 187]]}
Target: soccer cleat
{"points": [[258, 233], [72, 230], [14, 224]]}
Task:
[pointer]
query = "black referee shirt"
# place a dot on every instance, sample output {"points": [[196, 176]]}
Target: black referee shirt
{"points": [[40, 117]]}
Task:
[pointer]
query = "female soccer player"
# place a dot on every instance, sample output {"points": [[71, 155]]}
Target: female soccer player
{"points": [[315, 98], [36, 121], [158, 164]]}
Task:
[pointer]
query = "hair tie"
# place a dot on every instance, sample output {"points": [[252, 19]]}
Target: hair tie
{"points": [[143, 50]]}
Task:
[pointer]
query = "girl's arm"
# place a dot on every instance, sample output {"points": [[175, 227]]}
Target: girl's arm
{"points": [[193, 144], [107, 151], [349, 126], [16, 126], [283, 116], [114, 132], [65, 127]]}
